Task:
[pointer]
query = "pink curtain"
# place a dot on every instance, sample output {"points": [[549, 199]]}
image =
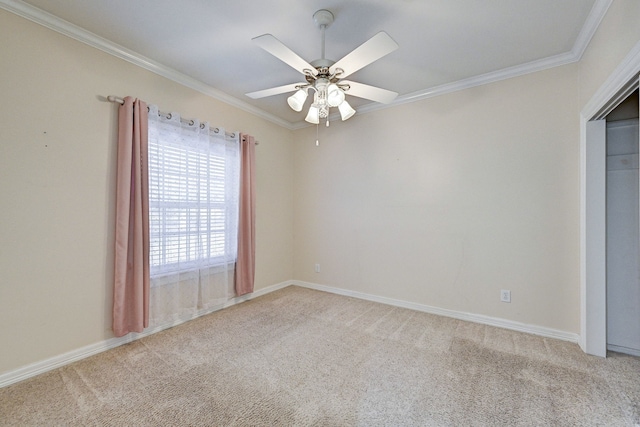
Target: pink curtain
{"points": [[245, 264], [131, 281]]}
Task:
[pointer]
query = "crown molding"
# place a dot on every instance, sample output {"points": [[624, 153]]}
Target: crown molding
{"points": [[587, 32], [589, 28], [77, 33], [504, 74], [496, 76], [52, 22], [618, 86], [599, 9]]}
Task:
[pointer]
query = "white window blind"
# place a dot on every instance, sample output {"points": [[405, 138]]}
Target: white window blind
{"points": [[193, 195]]}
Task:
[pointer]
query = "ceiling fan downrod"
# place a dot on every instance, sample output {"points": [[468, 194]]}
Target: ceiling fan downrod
{"points": [[323, 18]]}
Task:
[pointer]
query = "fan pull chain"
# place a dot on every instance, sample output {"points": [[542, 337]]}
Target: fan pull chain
{"points": [[317, 140]]}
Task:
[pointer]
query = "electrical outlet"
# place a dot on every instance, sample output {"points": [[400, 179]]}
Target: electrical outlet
{"points": [[505, 296], [317, 268]]}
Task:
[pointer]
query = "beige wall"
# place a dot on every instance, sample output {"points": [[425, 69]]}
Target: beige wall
{"points": [[57, 154], [446, 201]]}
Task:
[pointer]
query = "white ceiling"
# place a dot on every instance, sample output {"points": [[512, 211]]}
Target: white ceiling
{"points": [[444, 44]]}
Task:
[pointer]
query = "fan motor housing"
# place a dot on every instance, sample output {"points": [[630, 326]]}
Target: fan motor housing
{"points": [[322, 65]]}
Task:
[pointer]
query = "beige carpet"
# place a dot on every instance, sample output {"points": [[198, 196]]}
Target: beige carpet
{"points": [[307, 358]]}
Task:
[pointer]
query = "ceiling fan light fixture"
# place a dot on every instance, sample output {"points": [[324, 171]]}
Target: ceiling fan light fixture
{"points": [[335, 95], [346, 111], [313, 116], [324, 76], [297, 100]]}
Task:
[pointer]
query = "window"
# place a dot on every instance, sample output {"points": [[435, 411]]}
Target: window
{"points": [[193, 196]]}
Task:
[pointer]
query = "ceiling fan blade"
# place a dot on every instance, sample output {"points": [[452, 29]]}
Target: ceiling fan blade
{"points": [[373, 49], [369, 92], [274, 91], [275, 47]]}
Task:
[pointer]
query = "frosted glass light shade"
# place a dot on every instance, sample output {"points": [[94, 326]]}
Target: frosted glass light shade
{"points": [[346, 110], [335, 95], [296, 101], [314, 115]]}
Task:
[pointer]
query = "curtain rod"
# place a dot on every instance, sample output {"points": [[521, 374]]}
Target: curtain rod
{"points": [[112, 98]]}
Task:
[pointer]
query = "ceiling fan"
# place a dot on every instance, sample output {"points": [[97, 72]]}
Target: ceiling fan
{"points": [[325, 76]]}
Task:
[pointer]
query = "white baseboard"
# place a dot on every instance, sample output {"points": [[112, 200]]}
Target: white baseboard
{"points": [[625, 350], [470, 317], [43, 366], [37, 368]]}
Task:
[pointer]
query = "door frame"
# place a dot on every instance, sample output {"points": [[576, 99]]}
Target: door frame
{"points": [[620, 84]]}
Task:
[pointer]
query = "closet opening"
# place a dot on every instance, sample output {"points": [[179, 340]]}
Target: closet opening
{"points": [[619, 90], [622, 228]]}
